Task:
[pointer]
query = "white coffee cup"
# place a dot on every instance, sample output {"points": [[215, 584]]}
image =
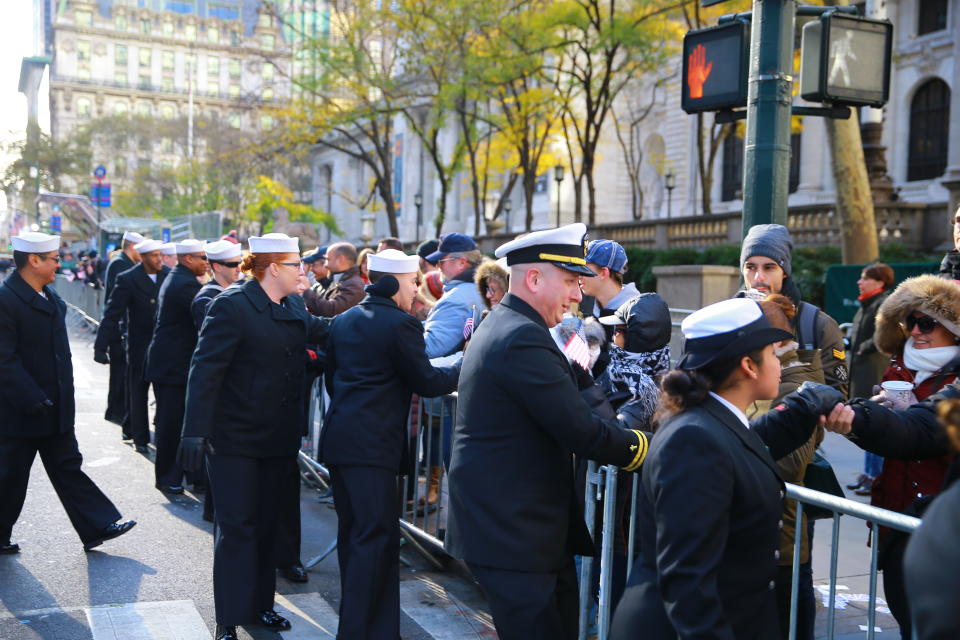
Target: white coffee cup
{"points": [[897, 389]]}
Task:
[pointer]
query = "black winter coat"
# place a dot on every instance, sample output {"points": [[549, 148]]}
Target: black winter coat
{"points": [[519, 420], [376, 360], [246, 383], [115, 267], [709, 524], [201, 302], [35, 362], [133, 302], [866, 363], [174, 336]]}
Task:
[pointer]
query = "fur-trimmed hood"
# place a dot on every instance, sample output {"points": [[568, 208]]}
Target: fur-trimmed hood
{"points": [[932, 295]]}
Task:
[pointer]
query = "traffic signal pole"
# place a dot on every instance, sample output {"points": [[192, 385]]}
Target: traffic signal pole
{"points": [[767, 144]]}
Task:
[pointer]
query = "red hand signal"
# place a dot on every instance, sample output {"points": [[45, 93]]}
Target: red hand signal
{"points": [[698, 70]]}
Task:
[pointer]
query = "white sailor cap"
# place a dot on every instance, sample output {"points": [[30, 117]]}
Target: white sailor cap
{"points": [[274, 243], [393, 261], [148, 245], [169, 248], [563, 247], [190, 245], [222, 250], [725, 330], [132, 236], [35, 242]]}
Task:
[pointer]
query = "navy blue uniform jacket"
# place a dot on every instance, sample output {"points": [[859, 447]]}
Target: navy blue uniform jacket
{"points": [[519, 420], [133, 301], [246, 383], [174, 336], [35, 362], [376, 360]]}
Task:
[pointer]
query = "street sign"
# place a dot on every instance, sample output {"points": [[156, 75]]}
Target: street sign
{"points": [[165, 234], [715, 68], [100, 172], [100, 194], [56, 223], [845, 60]]}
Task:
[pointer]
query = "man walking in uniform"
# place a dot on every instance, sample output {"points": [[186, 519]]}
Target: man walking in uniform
{"points": [[168, 360], [36, 399], [514, 517], [117, 396], [133, 303], [376, 360]]}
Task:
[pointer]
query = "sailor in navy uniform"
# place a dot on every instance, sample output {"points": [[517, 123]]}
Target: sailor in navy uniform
{"points": [[514, 517], [223, 257], [116, 411], [36, 399], [133, 303]]}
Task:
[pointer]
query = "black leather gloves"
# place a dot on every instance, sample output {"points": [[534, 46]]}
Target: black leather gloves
{"points": [[191, 452], [584, 379], [817, 398], [101, 357]]}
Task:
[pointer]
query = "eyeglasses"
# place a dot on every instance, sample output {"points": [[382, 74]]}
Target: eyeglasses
{"points": [[298, 265], [56, 259], [926, 324], [231, 265], [446, 260]]}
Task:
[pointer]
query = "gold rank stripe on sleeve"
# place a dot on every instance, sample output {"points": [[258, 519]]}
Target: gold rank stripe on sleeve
{"points": [[839, 355], [555, 258], [641, 451]]}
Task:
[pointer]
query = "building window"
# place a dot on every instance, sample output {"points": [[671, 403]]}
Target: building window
{"points": [[933, 16], [267, 41], [144, 57], [234, 119], [190, 31], [233, 91], [143, 109], [213, 88], [929, 131], [120, 77], [234, 68], [265, 20], [143, 82], [145, 25], [120, 55], [168, 28], [235, 38], [166, 84], [166, 145], [83, 49], [120, 23], [84, 18], [267, 72], [266, 122], [83, 72], [84, 108], [731, 186], [168, 112], [167, 57], [213, 34], [794, 181], [213, 67], [267, 94], [120, 108]]}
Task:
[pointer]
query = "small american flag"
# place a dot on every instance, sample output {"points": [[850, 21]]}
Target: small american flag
{"points": [[578, 351], [468, 325]]}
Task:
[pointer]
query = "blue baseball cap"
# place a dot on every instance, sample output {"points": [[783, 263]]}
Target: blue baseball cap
{"points": [[607, 253], [313, 256], [451, 243]]}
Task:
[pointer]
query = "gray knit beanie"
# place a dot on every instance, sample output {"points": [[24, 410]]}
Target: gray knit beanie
{"points": [[770, 240]]}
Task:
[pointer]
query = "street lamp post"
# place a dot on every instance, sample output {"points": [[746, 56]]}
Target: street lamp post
{"points": [[418, 200], [507, 207], [558, 177], [670, 182], [35, 174]]}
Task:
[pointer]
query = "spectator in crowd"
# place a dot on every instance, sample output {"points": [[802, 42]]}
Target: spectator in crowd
{"points": [[608, 261], [232, 236], [389, 243], [919, 326], [867, 364], [950, 266], [126, 258], [244, 416], [169, 252], [431, 287], [766, 265], [712, 494], [316, 262], [362, 265], [492, 282], [346, 288], [796, 367]]}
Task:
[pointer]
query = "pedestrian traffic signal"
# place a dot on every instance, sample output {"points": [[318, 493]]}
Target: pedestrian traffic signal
{"points": [[846, 60], [715, 68]]}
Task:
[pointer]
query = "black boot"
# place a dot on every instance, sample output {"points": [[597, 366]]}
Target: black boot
{"points": [[273, 620], [226, 633]]}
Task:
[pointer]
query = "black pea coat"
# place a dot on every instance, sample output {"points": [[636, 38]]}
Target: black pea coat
{"points": [[519, 419], [174, 336], [201, 302], [376, 359], [246, 379], [866, 363], [132, 301], [35, 362], [115, 267], [709, 524]]}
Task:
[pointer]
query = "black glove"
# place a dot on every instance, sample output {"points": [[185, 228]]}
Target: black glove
{"points": [[584, 379], [191, 451], [101, 357], [40, 407], [819, 399], [599, 405]]}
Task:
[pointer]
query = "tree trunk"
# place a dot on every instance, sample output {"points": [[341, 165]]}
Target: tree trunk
{"points": [[529, 186], [591, 197], [858, 227]]}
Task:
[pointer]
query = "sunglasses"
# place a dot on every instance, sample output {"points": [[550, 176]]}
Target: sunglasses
{"points": [[232, 265], [926, 324]]}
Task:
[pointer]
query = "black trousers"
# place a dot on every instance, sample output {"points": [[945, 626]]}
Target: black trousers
{"points": [[287, 550], [244, 572], [117, 393], [531, 606], [368, 549], [171, 405], [138, 422], [894, 587], [88, 509]]}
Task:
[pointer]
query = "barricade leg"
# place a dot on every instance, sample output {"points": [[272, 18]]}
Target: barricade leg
{"points": [[834, 555], [606, 552], [795, 575], [586, 562]]}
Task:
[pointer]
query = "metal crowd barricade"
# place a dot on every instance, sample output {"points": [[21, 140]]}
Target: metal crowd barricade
{"points": [[601, 482]]}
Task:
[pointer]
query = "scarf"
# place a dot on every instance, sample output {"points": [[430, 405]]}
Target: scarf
{"points": [[927, 362], [637, 373], [863, 297]]}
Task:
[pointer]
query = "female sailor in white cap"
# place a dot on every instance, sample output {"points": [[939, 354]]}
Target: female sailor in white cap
{"points": [[712, 496], [244, 413]]}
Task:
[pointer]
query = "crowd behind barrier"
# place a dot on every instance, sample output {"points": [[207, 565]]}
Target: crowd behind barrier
{"points": [[423, 525]]}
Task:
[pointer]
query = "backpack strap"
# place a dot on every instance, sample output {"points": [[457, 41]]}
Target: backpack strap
{"points": [[806, 326]]}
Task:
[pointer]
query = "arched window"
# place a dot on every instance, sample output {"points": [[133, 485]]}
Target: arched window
{"points": [[929, 131]]}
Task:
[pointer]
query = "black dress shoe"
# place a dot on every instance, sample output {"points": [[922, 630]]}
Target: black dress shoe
{"points": [[169, 488], [199, 488], [114, 530], [296, 573], [8, 547], [274, 621], [142, 448], [126, 436], [226, 633]]}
